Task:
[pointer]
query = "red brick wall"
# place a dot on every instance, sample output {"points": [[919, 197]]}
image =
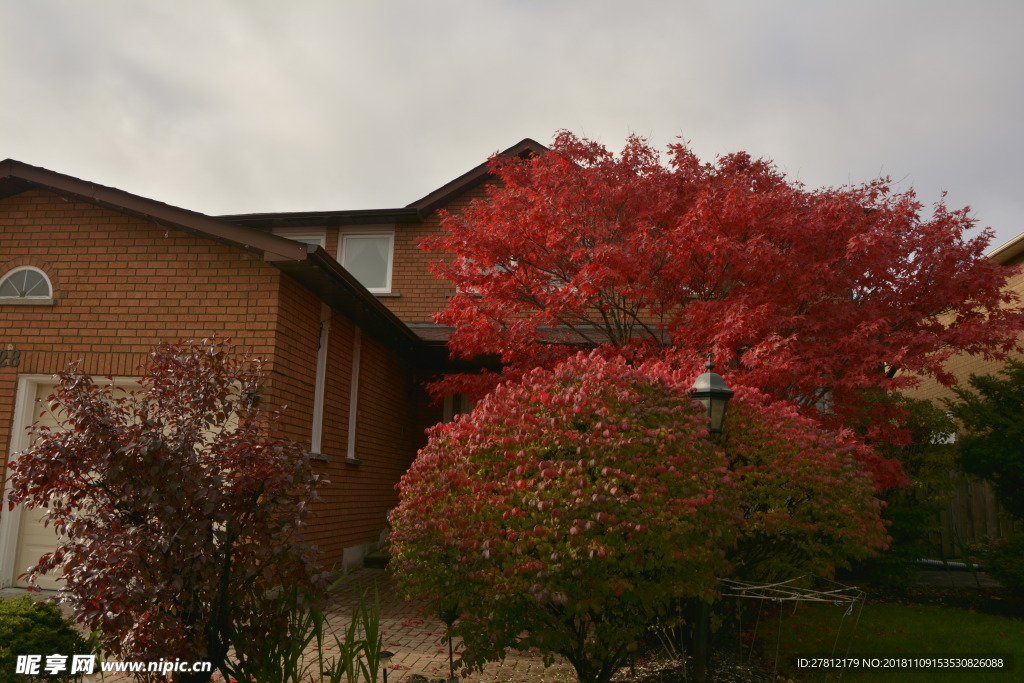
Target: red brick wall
{"points": [[331, 246], [420, 293], [339, 382], [295, 350], [121, 285], [355, 505], [387, 436]]}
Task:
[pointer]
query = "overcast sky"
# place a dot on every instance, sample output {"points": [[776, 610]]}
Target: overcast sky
{"points": [[249, 106]]}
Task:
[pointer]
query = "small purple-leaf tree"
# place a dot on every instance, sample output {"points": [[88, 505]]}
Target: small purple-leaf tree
{"points": [[180, 513]]}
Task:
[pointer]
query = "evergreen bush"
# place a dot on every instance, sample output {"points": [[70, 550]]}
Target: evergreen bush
{"points": [[28, 627]]}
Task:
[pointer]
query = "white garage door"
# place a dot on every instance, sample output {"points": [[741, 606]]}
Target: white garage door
{"points": [[34, 539]]}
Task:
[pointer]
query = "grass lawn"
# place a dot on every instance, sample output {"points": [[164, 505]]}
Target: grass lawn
{"points": [[895, 631]]}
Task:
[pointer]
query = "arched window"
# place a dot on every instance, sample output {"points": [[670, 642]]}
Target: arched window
{"points": [[25, 284]]}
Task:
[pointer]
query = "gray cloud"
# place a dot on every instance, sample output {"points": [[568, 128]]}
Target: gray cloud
{"points": [[261, 106]]}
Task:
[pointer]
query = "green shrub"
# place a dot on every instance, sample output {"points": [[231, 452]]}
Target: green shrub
{"points": [[911, 512], [28, 627], [992, 414], [1005, 560]]}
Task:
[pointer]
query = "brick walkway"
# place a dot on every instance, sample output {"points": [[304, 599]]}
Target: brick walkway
{"points": [[416, 638]]}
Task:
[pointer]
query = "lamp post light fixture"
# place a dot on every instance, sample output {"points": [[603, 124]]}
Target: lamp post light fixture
{"points": [[710, 389]]}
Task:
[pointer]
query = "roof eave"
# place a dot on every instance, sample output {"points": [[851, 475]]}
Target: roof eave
{"points": [[20, 177], [302, 219], [467, 181], [336, 287], [1009, 251]]}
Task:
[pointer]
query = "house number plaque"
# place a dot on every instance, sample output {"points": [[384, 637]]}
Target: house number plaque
{"points": [[10, 357]]}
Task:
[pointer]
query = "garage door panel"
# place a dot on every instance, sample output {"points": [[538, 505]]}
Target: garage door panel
{"points": [[34, 539]]}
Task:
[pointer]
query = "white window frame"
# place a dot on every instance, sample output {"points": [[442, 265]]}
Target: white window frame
{"points": [[390, 234], [34, 299], [353, 397], [316, 438]]}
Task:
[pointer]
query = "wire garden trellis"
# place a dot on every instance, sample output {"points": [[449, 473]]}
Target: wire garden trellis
{"points": [[796, 591]]}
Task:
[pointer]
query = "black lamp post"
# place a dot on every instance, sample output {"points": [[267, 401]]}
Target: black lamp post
{"points": [[448, 616], [710, 389]]}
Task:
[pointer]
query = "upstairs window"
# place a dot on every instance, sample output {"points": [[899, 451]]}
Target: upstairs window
{"points": [[368, 258], [25, 285]]}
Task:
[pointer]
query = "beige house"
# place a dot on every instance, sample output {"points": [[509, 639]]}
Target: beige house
{"points": [[973, 513], [1010, 255]]}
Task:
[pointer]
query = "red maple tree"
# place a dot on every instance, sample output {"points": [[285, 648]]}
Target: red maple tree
{"points": [[811, 295]]}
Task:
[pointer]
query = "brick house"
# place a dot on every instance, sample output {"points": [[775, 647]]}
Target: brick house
{"points": [[339, 304]]}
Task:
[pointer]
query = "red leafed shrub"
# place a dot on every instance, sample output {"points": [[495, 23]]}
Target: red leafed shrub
{"points": [[181, 513], [570, 509], [806, 493]]}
